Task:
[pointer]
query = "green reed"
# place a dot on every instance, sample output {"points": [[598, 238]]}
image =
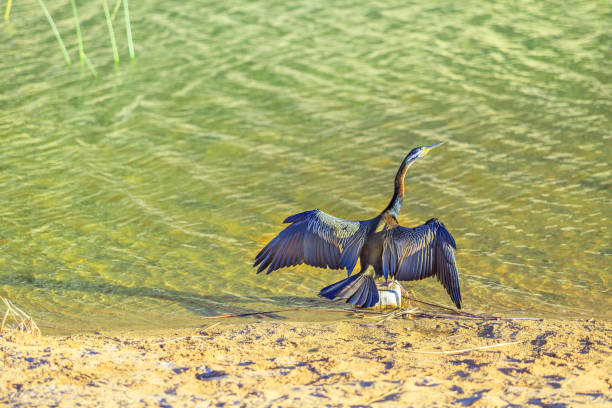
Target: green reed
{"points": [[109, 19], [83, 57], [128, 28], [7, 13], [111, 32], [57, 34], [115, 9]]}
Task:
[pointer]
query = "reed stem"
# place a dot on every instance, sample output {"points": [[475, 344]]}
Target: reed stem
{"points": [[78, 32], [57, 34], [82, 56], [115, 9], [7, 13], [111, 32], [128, 29], [90, 66]]}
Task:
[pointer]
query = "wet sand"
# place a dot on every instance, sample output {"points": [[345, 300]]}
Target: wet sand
{"points": [[404, 362]]}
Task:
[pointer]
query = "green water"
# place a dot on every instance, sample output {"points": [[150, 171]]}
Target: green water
{"points": [[139, 198]]}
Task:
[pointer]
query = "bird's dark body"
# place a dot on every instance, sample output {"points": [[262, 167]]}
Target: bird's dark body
{"points": [[371, 253], [394, 252]]}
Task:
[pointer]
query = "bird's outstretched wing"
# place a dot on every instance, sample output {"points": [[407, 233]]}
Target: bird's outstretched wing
{"points": [[417, 253], [317, 239]]}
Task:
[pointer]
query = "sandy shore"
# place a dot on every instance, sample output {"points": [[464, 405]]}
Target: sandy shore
{"points": [[405, 362]]}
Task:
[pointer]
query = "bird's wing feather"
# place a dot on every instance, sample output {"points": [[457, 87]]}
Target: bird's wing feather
{"points": [[417, 253], [315, 238]]}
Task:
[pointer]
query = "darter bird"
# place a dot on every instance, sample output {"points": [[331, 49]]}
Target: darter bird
{"points": [[395, 252]]}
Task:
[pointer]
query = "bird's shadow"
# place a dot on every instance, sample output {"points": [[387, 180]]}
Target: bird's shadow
{"points": [[202, 305]]}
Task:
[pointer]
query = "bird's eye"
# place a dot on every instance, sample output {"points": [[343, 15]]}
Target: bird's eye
{"points": [[415, 151]]}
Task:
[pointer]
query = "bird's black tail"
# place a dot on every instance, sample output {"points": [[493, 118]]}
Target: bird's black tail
{"points": [[358, 290]]}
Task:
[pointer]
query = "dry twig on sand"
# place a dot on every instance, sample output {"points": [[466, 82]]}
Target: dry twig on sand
{"points": [[467, 350], [190, 337], [452, 313], [399, 313], [22, 321]]}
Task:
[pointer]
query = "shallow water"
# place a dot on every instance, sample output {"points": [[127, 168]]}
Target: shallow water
{"points": [[139, 198]]}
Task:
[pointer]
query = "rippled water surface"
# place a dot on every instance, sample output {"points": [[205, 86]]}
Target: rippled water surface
{"points": [[139, 198]]}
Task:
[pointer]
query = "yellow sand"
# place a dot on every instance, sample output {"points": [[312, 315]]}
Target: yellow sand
{"points": [[344, 363]]}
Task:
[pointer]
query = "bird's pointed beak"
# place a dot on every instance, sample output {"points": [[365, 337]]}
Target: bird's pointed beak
{"points": [[428, 148]]}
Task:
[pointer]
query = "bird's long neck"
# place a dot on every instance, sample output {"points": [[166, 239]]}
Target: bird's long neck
{"points": [[395, 206]]}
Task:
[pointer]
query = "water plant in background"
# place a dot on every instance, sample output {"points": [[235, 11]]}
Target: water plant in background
{"points": [[111, 32], [128, 29], [115, 10], [109, 19], [7, 13], [57, 34], [83, 57]]}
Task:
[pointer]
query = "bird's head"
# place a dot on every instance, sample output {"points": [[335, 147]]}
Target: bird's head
{"points": [[420, 151]]}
